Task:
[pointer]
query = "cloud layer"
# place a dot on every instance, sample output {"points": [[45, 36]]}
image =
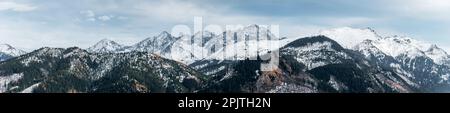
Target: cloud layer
{"points": [[16, 7]]}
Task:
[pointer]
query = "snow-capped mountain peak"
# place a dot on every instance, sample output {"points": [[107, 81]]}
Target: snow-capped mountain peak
{"points": [[438, 55], [252, 27], [435, 50], [106, 41], [105, 46], [164, 34], [395, 46], [8, 49], [156, 44], [162, 37], [391, 45], [350, 37]]}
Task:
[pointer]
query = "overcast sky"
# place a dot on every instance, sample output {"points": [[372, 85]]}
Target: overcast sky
{"points": [[31, 24]]}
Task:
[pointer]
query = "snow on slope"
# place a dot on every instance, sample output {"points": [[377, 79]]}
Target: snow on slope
{"points": [[8, 49], [349, 37], [246, 49], [396, 46], [438, 55], [246, 43], [6, 80], [392, 45], [185, 52], [317, 54], [30, 89], [179, 49], [157, 44], [105, 46]]}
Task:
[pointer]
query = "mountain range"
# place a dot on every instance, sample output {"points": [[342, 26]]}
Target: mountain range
{"points": [[341, 60]]}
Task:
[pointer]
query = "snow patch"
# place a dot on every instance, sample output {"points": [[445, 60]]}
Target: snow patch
{"points": [[30, 89], [312, 55], [334, 83], [292, 88], [32, 59], [445, 77], [215, 71], [6, 80]]}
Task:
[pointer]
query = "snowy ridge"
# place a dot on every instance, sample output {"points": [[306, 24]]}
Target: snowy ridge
{"points": [[8, 49], [367, 48], [396, 46], [105, 46], [349, 37], [207, 44], [38, 54], [185, 53], [438, 55], [392, 45], [155, 44], [246, 49], [8, 52], [414, 61], [246, 42], [370, 51]]}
